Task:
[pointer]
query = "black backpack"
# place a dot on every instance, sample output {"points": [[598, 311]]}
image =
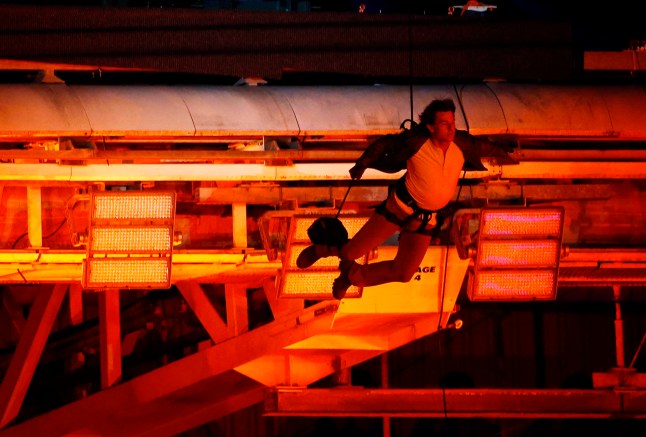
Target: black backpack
{"points": [[328, 231]]}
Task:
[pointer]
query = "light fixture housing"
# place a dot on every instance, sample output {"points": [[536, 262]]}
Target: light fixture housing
{"points": [[130, 240], [518, 254]]}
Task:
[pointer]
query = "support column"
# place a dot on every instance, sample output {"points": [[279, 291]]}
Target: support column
{"points": [[34, 217], [237, 309], [75, 301], [239, 216], [343, 374], [110, 337]]}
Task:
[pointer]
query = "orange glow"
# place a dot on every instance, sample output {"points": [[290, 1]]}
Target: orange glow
{"points": [[513, 285]]}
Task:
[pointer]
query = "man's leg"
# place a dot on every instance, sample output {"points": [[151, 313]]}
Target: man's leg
{"points": [[374, 232], [411, 251]]}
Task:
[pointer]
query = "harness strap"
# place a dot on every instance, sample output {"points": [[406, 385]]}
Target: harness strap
{"points": [[402, 194], [425, 217]]}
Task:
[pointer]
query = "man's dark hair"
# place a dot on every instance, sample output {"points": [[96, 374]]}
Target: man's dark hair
{"points": [[428, 114]]}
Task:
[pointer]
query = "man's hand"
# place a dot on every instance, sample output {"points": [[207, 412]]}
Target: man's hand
{"points": [[357, 171]]}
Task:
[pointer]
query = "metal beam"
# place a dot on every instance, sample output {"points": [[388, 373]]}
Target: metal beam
{"points": [[589, 266], [111, 172], [334, 153], [204, 310], [276, 194], [237, 309], [495, 403], [110, 337]]}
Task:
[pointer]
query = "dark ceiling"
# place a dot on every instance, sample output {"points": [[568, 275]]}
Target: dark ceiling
{"points": [[596, 26], [234, 43]]}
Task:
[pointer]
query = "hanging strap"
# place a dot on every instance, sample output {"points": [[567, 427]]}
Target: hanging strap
{"points": [[344, 197]]}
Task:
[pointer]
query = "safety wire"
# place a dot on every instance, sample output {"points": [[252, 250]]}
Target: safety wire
{"points": [[344, 197], [457, 199], [444, 275], [441, 308], [410, 65], [450, 218]]}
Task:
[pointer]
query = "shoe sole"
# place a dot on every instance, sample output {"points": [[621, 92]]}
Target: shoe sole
{"points": [[307, 258]]}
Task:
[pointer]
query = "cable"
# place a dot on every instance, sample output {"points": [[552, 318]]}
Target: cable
{"points": [[461, 106], [441, 309], [344, 197], [410, 66], [13, 246], [446, 258], [51, 234]]}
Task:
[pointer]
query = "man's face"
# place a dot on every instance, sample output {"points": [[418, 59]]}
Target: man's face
{"points": [[443, 130]]}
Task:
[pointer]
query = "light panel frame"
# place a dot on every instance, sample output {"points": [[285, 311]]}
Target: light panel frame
{"points": [[517, 232], [120, 215], [324, 271]]}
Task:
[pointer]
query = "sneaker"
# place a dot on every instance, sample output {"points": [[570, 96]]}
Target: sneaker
{"points": [[342, 283], [307, 257]]}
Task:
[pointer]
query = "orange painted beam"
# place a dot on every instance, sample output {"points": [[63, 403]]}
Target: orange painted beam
{"points": [[204, 310], [30, 347], [237, 309]]}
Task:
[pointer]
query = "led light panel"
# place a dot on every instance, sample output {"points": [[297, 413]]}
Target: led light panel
{"points": [[521, 222], [316, 281], [512, 241], [133, 205], [300, 224], [527, 253], [131, 239], [312, 285], [130, 242], [513, 285], [132, 272]]}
